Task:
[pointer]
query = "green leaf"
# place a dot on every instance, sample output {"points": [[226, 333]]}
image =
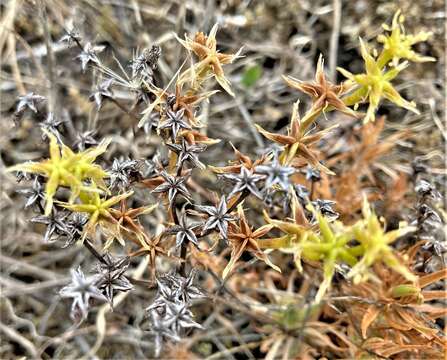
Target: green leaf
{"points": [[251, 75]]}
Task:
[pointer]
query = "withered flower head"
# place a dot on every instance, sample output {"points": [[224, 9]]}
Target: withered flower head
{"points": [[243, 238], [276, 173], [152, 122], [312, 174], [245, 180], [51, 124], [81, 289], [111, 276], [151, 248], [85, 139], [241, 161], [184, 232], [55, 222], [123, 173], [162, 330], [144, 64], [169, 314], [71, 36], [29, 101], [302, 193], [210, 60], [430, 228], [22, 175], [180, 317], [172, 185], [325, 207], [75, 226], [426, 190], [89, 54], [35, 195], [218, 217], [184, 288], [323, 93], [188, 153], [102, 92], [174, 122], [298, 141]]}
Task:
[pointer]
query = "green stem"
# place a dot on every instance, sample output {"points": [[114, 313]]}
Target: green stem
{"points": [[283, 242], [384, 58]]}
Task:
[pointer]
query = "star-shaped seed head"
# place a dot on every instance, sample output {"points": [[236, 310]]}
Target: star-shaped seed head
{"points": [[188, 153], [143, 65], [312, 174], [75, 227], [111, 276], [51, 124], [276, 173], [427, 191], [172, 186], [84, 140], [184, 232], [81, 289], [89, 55], [175, 121], [245, 180], [72, 36], [55, 223], [169, 314], [302, 193], [184, 288], [180, 318], [152, 122], [123, 173], [325, 207], [35, 195], [22, 175], [218, 217], [160, 328], [29, 101], [102, 91]]}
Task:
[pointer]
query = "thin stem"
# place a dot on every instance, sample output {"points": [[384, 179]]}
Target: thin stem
{"points": [[94, 252], [183, 253], [174, 214], [312, 189], [41, 208], [335, 34], [52, 100], [241, 198]]}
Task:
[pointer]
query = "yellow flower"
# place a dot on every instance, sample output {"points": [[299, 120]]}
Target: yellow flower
{"points": [[66, 168], [398, 45], [210, 60], [99, 212], [374, 85], [330, 247], [375, 242]]}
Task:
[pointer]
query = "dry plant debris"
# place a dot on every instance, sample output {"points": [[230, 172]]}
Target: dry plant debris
{"points": [[188, 180]]}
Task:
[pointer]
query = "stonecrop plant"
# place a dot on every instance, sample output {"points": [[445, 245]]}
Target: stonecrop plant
{"points": [[267, 214]]}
